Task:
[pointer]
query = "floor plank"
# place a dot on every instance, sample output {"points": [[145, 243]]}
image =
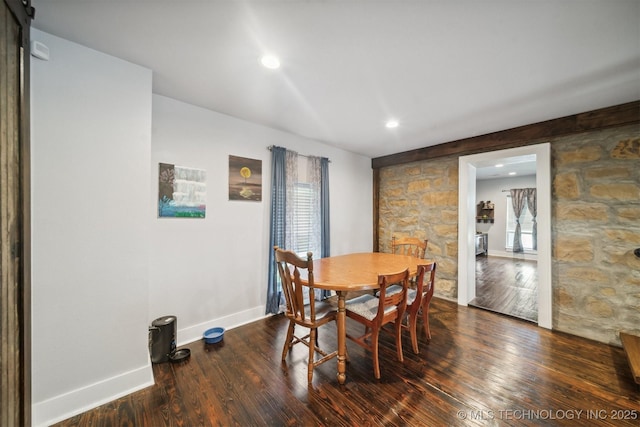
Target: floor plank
{"points": [[480, 368], [508, 286]]}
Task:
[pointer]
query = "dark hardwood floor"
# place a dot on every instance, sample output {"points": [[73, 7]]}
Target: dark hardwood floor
{"points": [[508, 286], [478, 369]]}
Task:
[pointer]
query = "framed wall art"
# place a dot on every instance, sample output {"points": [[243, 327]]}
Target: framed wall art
{"points": [[182, 192], [245, 179]]}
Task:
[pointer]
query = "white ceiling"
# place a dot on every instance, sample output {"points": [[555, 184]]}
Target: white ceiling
{"points": [[446, 69], [507, 167]]}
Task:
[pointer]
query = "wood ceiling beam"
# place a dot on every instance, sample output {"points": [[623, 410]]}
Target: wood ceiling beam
{"points": [[618, 115]]}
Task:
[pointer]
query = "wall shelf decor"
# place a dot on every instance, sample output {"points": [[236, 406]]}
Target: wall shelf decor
{"points": [[485, 212]]}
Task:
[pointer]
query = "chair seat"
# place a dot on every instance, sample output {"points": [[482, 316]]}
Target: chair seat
{"points": [[367, 306], [411, 293], [325, 312]]}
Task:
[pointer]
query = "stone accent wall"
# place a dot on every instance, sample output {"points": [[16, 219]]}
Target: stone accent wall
{"points": [[595, 227], [421, 199]]}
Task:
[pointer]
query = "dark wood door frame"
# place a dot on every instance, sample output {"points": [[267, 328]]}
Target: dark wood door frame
{"points": [[15, 208]]}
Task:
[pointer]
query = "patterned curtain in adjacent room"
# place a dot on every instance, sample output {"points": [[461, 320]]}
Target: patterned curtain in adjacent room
{"points": [[532, 205], [518, 199]]}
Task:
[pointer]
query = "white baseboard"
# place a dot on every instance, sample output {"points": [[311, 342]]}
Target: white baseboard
{"points": [[435, 294], [195, 332], [75, 402], [504, 254]]}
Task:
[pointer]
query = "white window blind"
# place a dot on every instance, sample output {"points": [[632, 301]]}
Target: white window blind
{"points": [[303, 218]]}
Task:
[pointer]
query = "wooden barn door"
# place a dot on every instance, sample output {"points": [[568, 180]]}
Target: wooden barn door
{"points": [[15, 297]]}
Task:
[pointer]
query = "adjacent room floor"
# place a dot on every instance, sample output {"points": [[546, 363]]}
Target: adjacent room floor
{"points": [[508, 286]]}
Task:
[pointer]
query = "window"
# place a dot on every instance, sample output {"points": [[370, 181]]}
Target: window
{"points": [[299, 209], [303, 226], [526, 227]]}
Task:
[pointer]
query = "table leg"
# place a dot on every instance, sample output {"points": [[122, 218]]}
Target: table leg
{"points": [[342, 338]]}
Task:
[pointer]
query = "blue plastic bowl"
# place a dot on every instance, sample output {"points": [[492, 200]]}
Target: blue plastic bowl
{"points": [[213, 335]]}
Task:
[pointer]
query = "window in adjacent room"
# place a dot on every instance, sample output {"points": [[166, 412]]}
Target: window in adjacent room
{"points": [[526, 227]]}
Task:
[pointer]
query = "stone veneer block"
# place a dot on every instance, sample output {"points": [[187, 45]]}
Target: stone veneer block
{"points": [[622, 192], [608, 292], [582, 155], [387, 173], [599, 308], [628, 213], [588, 274], [564, 298], [627, 149], [445, 286], [566, 186], [447, 267], [624, 236], [421, 185], [604, 173], [401, 203], [452, 248], [392, 193], [571, 249], [441, 198], [626, 258], [582, 211], [449, 216], [446, 229], [417, 170]]}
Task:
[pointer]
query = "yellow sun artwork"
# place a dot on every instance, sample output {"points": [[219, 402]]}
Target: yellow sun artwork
{"points": [[245, 179]]}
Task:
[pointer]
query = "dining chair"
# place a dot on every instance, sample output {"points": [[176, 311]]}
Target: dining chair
{"points": [[310, 316], [418, 301], [375, 312], [412, 246]]}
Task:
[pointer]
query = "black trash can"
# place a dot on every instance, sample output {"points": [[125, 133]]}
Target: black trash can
{"points": [[162, 338]]}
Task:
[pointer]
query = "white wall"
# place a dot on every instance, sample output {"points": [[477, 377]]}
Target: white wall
{"points": [[213, 271], [491, 189], [104, 264], [91, 142]]}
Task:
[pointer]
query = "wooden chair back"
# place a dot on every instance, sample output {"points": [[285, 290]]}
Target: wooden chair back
{"points": [[412, 246], [310, 316], [418, 301], [294, 291], [386, 311], [425, 280], [375, 312]]}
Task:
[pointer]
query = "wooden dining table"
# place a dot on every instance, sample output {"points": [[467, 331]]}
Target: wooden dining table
{"points": [[355, 272]]}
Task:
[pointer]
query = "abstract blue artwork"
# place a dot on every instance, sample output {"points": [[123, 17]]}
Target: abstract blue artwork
{"points": [[182, 192]]}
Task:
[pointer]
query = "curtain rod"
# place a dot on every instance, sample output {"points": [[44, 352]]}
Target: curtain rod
{"points": [[303, 155], [505, 191]]}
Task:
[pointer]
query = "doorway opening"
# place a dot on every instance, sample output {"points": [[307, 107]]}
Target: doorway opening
{"points": [[468, 166], [506, 279]]}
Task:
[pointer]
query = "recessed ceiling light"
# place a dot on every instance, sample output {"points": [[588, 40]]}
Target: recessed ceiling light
{"points": [[270, 61], [392, 124], [499, 165], [512, 173]]}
